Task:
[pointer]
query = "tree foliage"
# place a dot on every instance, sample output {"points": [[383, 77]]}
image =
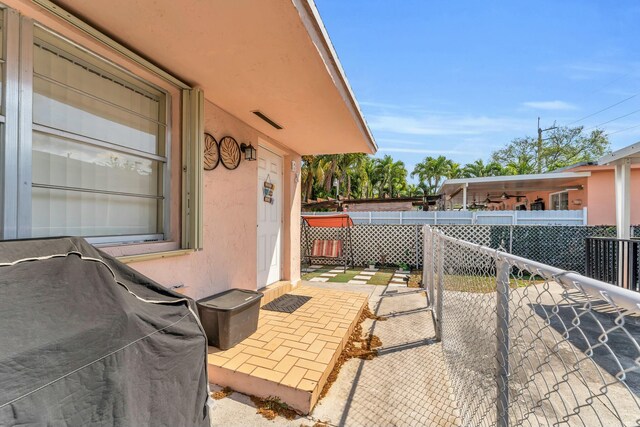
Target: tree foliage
{"points": [[431, 172], [564, 146], [362, 176], [479, 169]]}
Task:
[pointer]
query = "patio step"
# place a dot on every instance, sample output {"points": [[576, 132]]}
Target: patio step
{"points": [[274, 291], [291, 355]]}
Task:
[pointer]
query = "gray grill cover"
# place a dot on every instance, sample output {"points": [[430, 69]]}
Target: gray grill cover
{"points": [[78, 349]]}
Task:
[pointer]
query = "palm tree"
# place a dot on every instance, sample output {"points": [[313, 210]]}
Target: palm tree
{"points": [[522, 166], [455, 171], [412, 190], [363, 176], [432, 171], [347, 167], [368, 176], [307, 176], [479, 169], [312, 173], [331, 164], [391, 176], [475, 169]]}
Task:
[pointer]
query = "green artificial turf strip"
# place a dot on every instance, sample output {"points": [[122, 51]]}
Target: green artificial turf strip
{"points": [[344, 277], [380, 279]]}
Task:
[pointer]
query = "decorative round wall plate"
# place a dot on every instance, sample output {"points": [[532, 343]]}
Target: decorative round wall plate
{"points": [[230, 152], [211, 152]]}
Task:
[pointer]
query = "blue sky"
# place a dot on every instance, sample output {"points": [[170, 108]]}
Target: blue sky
{"points": [[463, 78]]}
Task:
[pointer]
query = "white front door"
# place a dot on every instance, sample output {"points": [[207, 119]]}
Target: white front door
{"points": [[269, 218]]}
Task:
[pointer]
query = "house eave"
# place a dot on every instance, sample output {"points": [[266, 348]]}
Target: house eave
{"points": [[275, 57]]}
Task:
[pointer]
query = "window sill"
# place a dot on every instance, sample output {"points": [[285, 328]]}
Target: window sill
{"points": [[129, 259], [145, 251]]}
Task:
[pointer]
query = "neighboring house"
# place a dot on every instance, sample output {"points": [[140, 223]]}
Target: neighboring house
{"points": [[582, 186], [105, 106]]}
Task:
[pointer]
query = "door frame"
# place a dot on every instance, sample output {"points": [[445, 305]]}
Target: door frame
{"points": [[264, 145]]}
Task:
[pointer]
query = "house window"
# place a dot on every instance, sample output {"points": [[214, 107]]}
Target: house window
{"points": [[98, 146], [85, 144], [560, 201]]}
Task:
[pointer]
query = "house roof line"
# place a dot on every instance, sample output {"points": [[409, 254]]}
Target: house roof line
{"points": [[632, 151], [573, 166], [513, 178], [312, 11]]}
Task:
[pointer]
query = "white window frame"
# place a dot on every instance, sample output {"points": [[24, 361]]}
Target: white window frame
{"points": [[557, 193], [11, 157], [164, 196], [16, 117]]}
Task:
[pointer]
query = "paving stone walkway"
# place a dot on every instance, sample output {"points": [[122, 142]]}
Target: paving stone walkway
{"points": [[406, 385], [365, 277]]}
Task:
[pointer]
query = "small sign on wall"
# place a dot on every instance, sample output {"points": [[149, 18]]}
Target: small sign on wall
{"points": [[267, 190]]}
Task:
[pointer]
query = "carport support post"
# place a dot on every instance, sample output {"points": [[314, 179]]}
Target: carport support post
{"points": [[623, 198], [502, 334], [464, 196], [623, 216]]}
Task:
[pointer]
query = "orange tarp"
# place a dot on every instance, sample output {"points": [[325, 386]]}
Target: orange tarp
{"points": [[328, 221]]}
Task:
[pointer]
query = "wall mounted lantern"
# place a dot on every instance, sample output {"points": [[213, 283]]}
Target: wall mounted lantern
{"points": [[249, 152]]}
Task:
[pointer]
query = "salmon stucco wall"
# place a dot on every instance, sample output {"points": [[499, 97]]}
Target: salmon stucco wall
{"points": [[228, 258], [291, 218], [602, 197]]}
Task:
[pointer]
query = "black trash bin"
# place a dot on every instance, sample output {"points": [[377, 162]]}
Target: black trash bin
{"points": [[230, 316]]}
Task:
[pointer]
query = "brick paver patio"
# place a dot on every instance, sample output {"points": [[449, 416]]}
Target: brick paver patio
{"points": [[291, 355]]}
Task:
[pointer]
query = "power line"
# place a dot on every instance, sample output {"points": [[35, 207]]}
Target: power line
{"points": [[613, 120], [616, 80], [623, 130], [604, 109]]}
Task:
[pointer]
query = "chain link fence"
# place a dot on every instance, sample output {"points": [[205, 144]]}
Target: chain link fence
{"points": [[384, 244], [527, 344], [560, 246]]}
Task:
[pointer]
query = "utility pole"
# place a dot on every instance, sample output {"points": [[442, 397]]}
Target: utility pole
{"points": [[539, 154]]}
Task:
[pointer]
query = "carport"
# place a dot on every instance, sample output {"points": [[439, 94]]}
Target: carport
{"points": [[460, 191]]}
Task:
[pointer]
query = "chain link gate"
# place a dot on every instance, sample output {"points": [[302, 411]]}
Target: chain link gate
{"points": [[527, 344]]}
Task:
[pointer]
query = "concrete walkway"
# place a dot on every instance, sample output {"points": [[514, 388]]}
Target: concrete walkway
{"points": [[406, 385]]}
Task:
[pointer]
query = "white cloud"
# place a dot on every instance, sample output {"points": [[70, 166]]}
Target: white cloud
{"points": [[595, 69], [550, 105]]}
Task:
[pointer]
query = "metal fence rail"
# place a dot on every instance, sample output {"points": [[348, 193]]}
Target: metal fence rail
{"points": [[529, 344], [615, 261]]}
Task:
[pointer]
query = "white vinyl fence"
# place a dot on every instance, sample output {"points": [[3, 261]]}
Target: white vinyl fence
{"points": [[575, 217]]}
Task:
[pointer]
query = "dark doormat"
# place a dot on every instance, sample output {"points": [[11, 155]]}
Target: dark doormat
{"points": [[286, 303]]}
